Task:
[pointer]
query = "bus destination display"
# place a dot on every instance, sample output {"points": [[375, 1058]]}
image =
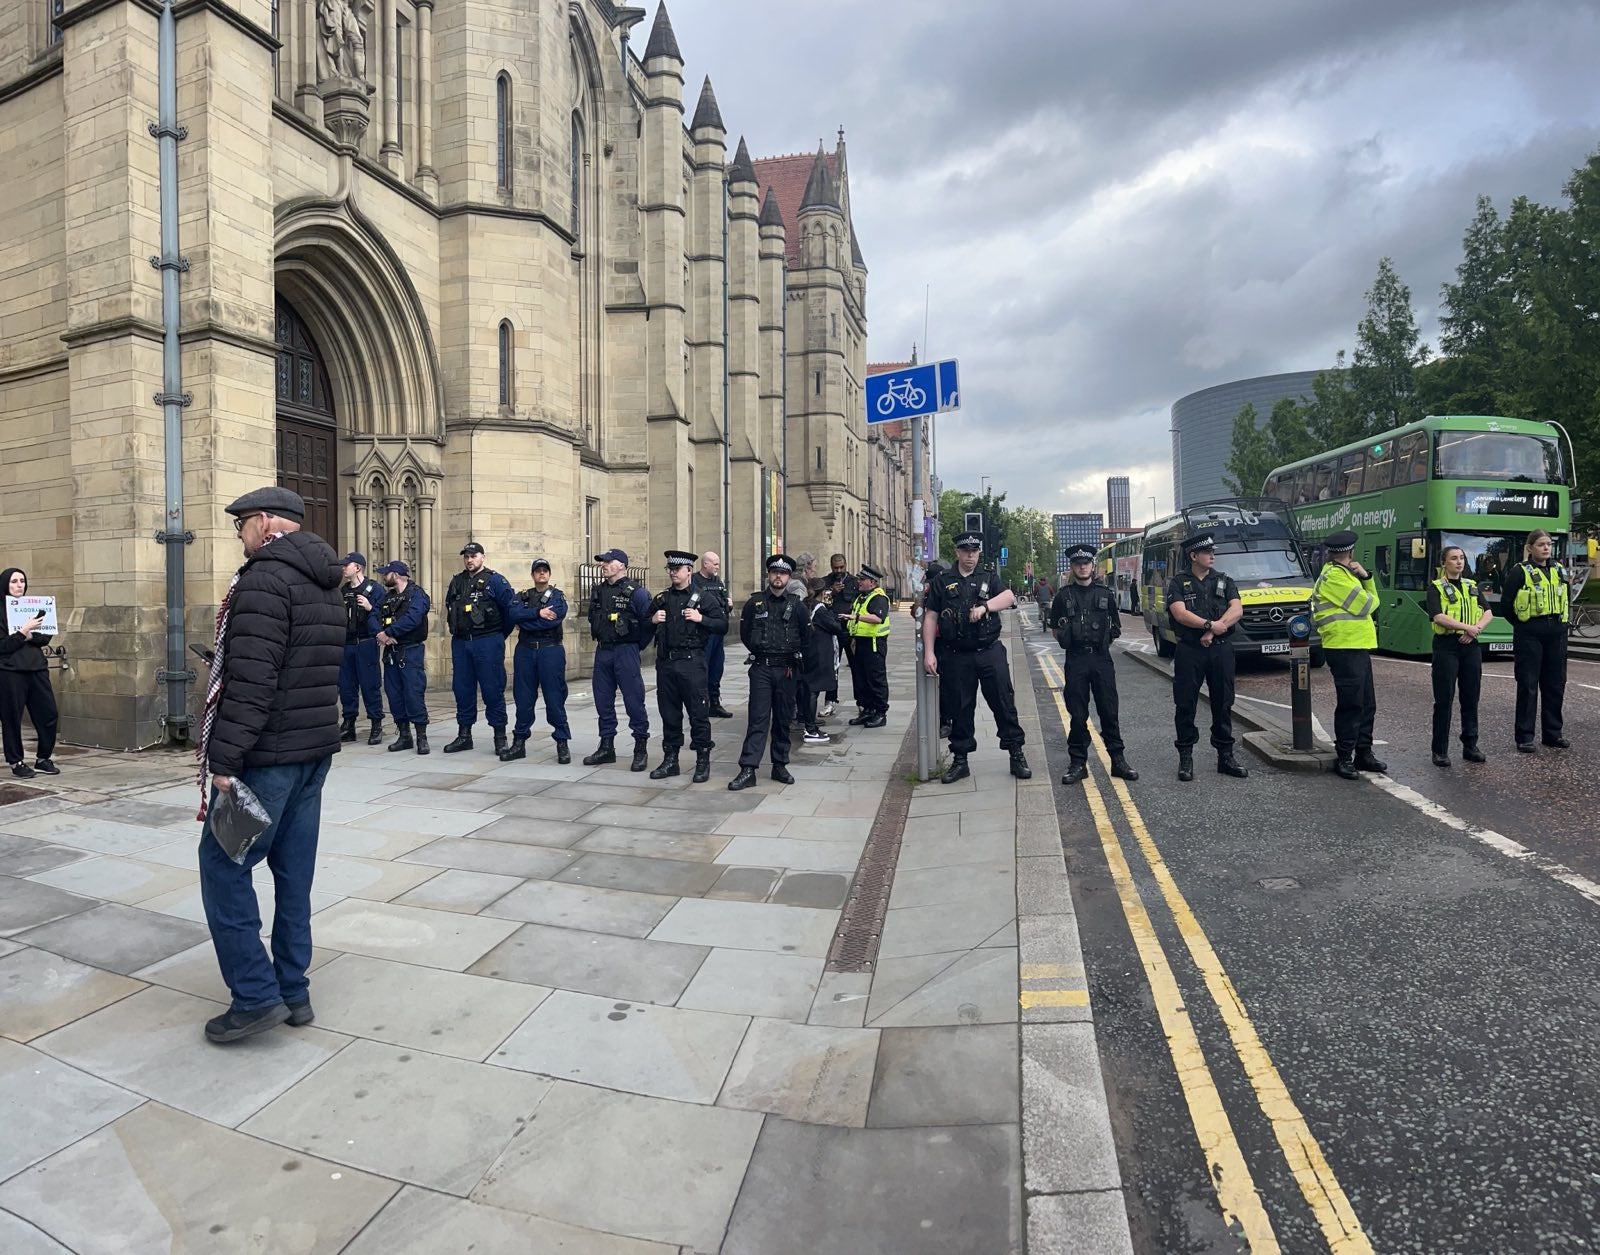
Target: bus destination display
{"points": [[1508, 501]]}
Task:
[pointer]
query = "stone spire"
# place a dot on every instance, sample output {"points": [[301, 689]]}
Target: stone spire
{"points": [[706, 113], [742, 170], [663, 43], [771, 215], [820, 190]]}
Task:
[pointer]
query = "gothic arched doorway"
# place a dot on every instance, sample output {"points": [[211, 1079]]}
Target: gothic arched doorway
{"points": [[307, 428]]}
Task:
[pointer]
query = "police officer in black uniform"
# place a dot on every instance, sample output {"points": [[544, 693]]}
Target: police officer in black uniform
{"points": [[478, 611], [772, 628], [684, 617], [963, 614], [358, 672], [619, 621], [400, 624], [1204, 606], [1087, 621]]}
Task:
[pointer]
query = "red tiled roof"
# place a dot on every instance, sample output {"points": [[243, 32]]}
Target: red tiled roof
{"points": [[879, 368], [787, 177]]}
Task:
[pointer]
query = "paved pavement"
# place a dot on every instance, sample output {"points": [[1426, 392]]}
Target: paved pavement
{"points": [[562, 1008]]}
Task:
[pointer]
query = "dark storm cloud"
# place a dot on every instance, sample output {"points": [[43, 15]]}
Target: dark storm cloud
{"points": [[1115, 204]]}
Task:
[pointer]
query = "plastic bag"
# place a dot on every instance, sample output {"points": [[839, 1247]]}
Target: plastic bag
{"points": [[237, 819]]}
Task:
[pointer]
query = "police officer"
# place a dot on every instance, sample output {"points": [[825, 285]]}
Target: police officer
{"points": [[963, 611], [771, 627], [1537, 599], [684, 616], [868, 626], [358, 670], [1204, 606], [619, 621], [1087, 621], [477, 608], [539, 664], [706, 580], [1456, 610], [1344, 603], [400, 624], [841, 589]]}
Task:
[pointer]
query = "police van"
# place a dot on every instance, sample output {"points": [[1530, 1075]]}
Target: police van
{"points": [[1259, 545]]}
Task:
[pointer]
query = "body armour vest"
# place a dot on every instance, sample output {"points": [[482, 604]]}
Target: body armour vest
{"points": [[1087, 622], [611, 617], [394, 607], [1543, 592], [1460, 603], [537, 601], [355, 617], [1205, 597], [959, 594], [678, 632], [469, 607], [778, 626]]}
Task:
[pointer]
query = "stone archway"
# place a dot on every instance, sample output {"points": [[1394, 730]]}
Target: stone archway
{"points": [[307, 427]]}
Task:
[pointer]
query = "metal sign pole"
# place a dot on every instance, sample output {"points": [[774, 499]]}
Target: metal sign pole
{"points": [[924, 740]]}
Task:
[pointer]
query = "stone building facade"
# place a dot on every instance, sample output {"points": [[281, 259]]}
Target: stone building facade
{"points": [[452, 269]]}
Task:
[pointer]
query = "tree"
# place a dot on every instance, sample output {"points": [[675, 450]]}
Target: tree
{"points": [[1030, 537], [955, 504], [1389, 348], [1252, 454]]}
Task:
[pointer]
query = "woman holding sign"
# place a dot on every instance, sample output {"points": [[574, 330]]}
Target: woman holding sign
{"points": [[25, 685]]}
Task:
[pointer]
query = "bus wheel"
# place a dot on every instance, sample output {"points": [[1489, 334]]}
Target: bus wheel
{"points": [[1316, 655], [1163, 650]]}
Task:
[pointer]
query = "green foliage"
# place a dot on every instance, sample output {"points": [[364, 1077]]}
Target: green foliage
{"points": [[955, 504], [1252, 455]]}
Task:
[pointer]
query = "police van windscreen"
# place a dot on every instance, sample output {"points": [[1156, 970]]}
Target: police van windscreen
{"points": [[1252, 543]]}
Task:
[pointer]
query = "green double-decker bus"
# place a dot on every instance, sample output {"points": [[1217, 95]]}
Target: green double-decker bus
{"points": [[1479, 482]]}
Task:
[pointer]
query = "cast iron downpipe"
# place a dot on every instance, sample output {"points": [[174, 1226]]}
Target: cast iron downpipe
{"points": [[172, 399], [727, 465]]}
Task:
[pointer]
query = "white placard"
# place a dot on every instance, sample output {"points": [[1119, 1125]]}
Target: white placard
{"points": [[20, 609]]}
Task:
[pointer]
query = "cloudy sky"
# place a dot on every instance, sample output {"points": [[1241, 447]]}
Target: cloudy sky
{"points": [[1116, 202]]}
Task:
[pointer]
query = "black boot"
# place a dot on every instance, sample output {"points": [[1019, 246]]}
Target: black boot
{"points": [[1228, 765], [499, 740], [422, 739], [1122, 769], [403, 741], [780, 773], [944, 731], [702, 767], [1366, 760], [877, 720], [957, 770], [1076, 771], [719, 711], [375, 737], [641, 754], [669, 766], [1185, 765], [1473, 754], [607, 753], [1440, 760], [347, 729], [860, 718], [1019, 766], [1345, 768], [563, 754], [463, 741], [518, 749], [745, 778]]}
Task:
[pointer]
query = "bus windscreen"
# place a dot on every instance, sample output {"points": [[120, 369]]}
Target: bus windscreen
{"points": [[1498, 455]]}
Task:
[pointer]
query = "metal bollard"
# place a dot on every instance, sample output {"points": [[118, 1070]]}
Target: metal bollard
{"points": [[1300, 683]]}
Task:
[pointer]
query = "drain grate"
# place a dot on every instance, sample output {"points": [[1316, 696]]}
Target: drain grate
{"points": [[855, 941], [1278, 884]]}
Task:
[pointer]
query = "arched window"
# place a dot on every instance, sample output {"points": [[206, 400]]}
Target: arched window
{"points": [[502, 132], [577, 177], [507, 366]]}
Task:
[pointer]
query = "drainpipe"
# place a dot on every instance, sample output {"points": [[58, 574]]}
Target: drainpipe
{"points": [[727, 465], [176, 675], [783, 400]]}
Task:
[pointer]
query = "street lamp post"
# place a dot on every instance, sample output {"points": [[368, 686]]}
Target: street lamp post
{"points": [[1152, 509]]}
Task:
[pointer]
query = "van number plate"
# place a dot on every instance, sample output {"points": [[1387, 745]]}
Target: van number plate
{"points": [[1282, 647]]}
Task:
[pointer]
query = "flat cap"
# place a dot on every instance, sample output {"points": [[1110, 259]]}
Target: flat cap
{"points": [[356, 556], [780, 562], [969, 540], [1080, 553], [679, 557], [612, 555], [282, 502], [1340, 542], [471, 546], [1199, 540], [871, 573], [395, 567]]}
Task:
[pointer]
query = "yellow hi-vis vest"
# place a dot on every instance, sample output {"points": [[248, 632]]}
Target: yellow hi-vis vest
{"points": [[1461, 605], [1342, 609], [1542, 592], [871, 631]]}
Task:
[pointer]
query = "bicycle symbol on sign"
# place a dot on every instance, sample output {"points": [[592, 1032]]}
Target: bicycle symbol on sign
{"points": [[904, 395]]}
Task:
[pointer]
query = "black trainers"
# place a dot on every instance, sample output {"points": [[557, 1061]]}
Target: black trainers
{"points": [[46, 766], [1442, 760], [1558, 743], [22, 771], [719, 711], [300, 1014], [237, 1025]]}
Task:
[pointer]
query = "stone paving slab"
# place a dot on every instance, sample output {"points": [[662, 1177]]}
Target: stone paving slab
{"points": [[583, 907], [27, 856], [694, 847], [25, 904], [455, 890], [541, 806], [626, 968], [41, 991], [99, 836], [117, 938], [553, 833], [470, 854], [751, 982], [676, 877], [421, 820], [805, 1072], [194, 971], [946, 1075], [46, 1105], [980, 987], [19, 1237], [749, 926], [128, 881], [410, 934], [812, 856]]}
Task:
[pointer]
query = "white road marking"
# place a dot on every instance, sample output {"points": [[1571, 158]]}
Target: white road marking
{"points": [[1513, 850], [1316, 724]]}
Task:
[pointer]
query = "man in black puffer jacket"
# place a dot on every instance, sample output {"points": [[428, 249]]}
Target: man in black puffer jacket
{"points": [[271, 719]]}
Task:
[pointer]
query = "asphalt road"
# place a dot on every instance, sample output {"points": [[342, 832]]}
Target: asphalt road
{"points": [[1429, 1006]]}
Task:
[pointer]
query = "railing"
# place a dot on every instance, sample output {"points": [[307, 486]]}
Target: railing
{"points": [[590, 578]]}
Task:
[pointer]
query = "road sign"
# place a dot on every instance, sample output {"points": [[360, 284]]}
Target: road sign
{"points": [[912, 392], [1003, 555]]}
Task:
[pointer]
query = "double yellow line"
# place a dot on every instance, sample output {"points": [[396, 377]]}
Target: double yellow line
{"points": [[1243, 1208]]}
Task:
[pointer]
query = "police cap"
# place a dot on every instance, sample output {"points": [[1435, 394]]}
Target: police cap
{"points": [[540, 562], [780, 562], [471, 546], [969, 540], [1199, 540], [1340, 542], [282, 502], [679, 557], [870, 573], [612, 555], [396, 567], [359, 558], [1080, 553]]}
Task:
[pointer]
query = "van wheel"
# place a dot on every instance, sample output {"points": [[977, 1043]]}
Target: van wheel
{"points": [[1316, 655], [1163, 650]]}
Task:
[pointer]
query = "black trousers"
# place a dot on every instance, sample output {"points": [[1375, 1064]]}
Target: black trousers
{"points": [[30, 691], [681, 685], [1355, 702], [988, 669], [1541, 670], [1211, 665], [771, 707], [1091, 675], [869, 674], [1457, 668]]}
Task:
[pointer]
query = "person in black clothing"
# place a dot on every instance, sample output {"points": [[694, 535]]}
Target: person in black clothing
{"points": [[1459, 616], [772, 628], [25, 685], [478, 611], [271, 721], [963, 611], [684, 617], [823, 633], [868, 625], [708, 579], [1537, 599], [400, 622], [934, 569], [841, 588], [1087, 621], [1205, 607], [358, 674]]}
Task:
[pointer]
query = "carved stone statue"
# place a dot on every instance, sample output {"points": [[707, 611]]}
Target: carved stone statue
{"points": [[342, 40]]}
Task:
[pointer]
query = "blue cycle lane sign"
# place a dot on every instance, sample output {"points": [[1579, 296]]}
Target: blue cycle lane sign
{"points": [[913, 392]]}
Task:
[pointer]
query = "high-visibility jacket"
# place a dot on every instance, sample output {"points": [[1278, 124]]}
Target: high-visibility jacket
{"points": [[1342, 609], [1460, 604], [1543, 592], [872, 631]]}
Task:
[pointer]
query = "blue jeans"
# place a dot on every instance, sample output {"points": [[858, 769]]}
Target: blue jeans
{"points": [[716, 659], [536, 671], [293, 797], [618, 668], [359, 671], [479, 663]]}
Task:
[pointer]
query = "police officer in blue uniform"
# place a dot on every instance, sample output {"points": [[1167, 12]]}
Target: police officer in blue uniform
{"points": [[358, 670], [400, 625], [619, 621], [1087, 621], [708, 579], [684, 617], [478, 612], [771, 627], [539, 664], [1205, 608]]}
